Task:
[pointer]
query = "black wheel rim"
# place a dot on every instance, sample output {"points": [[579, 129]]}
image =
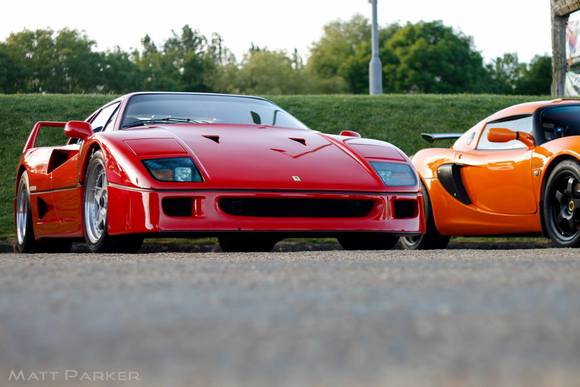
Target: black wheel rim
{"points": [[565, 205]]}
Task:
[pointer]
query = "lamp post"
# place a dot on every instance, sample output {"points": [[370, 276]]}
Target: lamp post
{"points": [[375, 66]]}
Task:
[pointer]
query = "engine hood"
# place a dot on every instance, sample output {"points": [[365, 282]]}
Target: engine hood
{"points": [[258, 157]]}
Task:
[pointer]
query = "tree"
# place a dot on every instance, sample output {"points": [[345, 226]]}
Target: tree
{"points": [[12, 73], [432, 58], [270, 72], [536, 78], [355, 70], [61, 63], [504, 73], [422, 57], [118, 72], [337, 45], [157, 72]]}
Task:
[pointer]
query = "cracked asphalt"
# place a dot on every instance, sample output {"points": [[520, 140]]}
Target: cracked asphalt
{"points": [[318, 318]]}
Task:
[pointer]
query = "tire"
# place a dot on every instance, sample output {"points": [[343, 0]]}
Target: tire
{"points": [[367, 241], [246, 243], [431, 239], [25, 240], [95, 213], [561, 204]]}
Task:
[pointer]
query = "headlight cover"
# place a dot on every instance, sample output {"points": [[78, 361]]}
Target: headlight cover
{"points": [[395, 174], [179, 169]]}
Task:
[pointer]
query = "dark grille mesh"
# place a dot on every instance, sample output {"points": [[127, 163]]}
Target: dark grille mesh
{"points": [[296, 208]]}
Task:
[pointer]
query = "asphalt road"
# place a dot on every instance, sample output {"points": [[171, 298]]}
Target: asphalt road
{"points": [[327, 318]]}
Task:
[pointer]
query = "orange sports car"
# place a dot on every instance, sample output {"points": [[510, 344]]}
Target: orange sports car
{"points": [[516, 172]]}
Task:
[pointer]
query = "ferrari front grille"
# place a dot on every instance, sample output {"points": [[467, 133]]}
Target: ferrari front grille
{"points": [[296, 207]]}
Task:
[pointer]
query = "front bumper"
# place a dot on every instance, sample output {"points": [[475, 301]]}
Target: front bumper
{"points": [[140, 211]]}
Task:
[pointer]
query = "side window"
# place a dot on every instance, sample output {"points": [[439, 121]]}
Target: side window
{"points": [[525, 124], [103, 117], [112, 119]]}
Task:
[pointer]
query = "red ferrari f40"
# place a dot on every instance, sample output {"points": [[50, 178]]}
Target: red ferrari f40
{"points": [[195, 165]]}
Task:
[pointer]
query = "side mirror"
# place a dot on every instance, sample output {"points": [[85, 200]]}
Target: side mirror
{"points": [[78, 129], [507, 135], [350, 133]]}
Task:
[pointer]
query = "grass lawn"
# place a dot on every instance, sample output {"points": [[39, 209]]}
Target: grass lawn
{"points": [[398, 119]]}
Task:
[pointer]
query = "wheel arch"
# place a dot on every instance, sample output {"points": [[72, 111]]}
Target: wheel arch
{"points": [[21, 170], [90, 150]]}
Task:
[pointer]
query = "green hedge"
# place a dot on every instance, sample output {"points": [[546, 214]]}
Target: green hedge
{"points": [[395, 118]]}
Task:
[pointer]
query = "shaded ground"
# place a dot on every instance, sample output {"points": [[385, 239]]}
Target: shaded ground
{"points": [[328, 318], [294, 245]]}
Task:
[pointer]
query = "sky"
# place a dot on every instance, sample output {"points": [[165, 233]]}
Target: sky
{"points": [[497, 26]]}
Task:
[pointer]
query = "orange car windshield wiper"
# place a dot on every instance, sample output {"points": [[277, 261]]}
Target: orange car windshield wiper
{"points": [[156, 121]]}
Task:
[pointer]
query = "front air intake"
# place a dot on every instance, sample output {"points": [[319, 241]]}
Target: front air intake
{"points": [[406, 209], [177, 207], [296, 208]]}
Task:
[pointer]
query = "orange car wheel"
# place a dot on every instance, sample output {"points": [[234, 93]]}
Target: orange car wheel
{"points": [[561, 204], [431, 240]]}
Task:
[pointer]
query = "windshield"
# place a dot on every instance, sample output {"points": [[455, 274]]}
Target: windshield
{"points": [[560, 121], [205, 109]]}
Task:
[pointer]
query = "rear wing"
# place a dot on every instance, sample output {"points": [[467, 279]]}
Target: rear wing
{"points": [[31, 142], [431, 137]]}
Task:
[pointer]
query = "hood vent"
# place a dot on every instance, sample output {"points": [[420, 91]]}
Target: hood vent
{"points": [[213, 137], [299, 140]]}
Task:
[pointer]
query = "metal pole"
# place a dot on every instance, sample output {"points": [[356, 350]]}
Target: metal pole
{"points": [[375, 67]]}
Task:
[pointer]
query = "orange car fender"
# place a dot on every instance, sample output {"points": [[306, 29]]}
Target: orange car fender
{"points": [[548, 155], [427, 161]]}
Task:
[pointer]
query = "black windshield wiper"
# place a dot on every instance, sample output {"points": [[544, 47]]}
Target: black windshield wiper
{"points": [[157, 120]]}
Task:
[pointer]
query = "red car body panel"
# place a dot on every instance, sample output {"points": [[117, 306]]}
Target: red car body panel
{"points": [[235, 161]]}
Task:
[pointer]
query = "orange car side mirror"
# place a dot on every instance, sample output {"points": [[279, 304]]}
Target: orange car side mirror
{"points": [[507, 135], [350, 133], [78, 129]]}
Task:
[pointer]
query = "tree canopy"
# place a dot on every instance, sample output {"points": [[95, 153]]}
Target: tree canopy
{"points": [[423, 57]]}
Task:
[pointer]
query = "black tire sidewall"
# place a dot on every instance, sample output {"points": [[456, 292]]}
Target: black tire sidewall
{"points": [[28, 244], [100, 244]]}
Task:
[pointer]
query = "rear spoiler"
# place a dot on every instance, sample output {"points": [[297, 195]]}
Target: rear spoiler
{"points": [[31, 142], [431, 137]]}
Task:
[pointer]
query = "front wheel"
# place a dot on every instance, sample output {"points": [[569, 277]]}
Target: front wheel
{"points": [[367, 241], [96, 212], [561, 204]]}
